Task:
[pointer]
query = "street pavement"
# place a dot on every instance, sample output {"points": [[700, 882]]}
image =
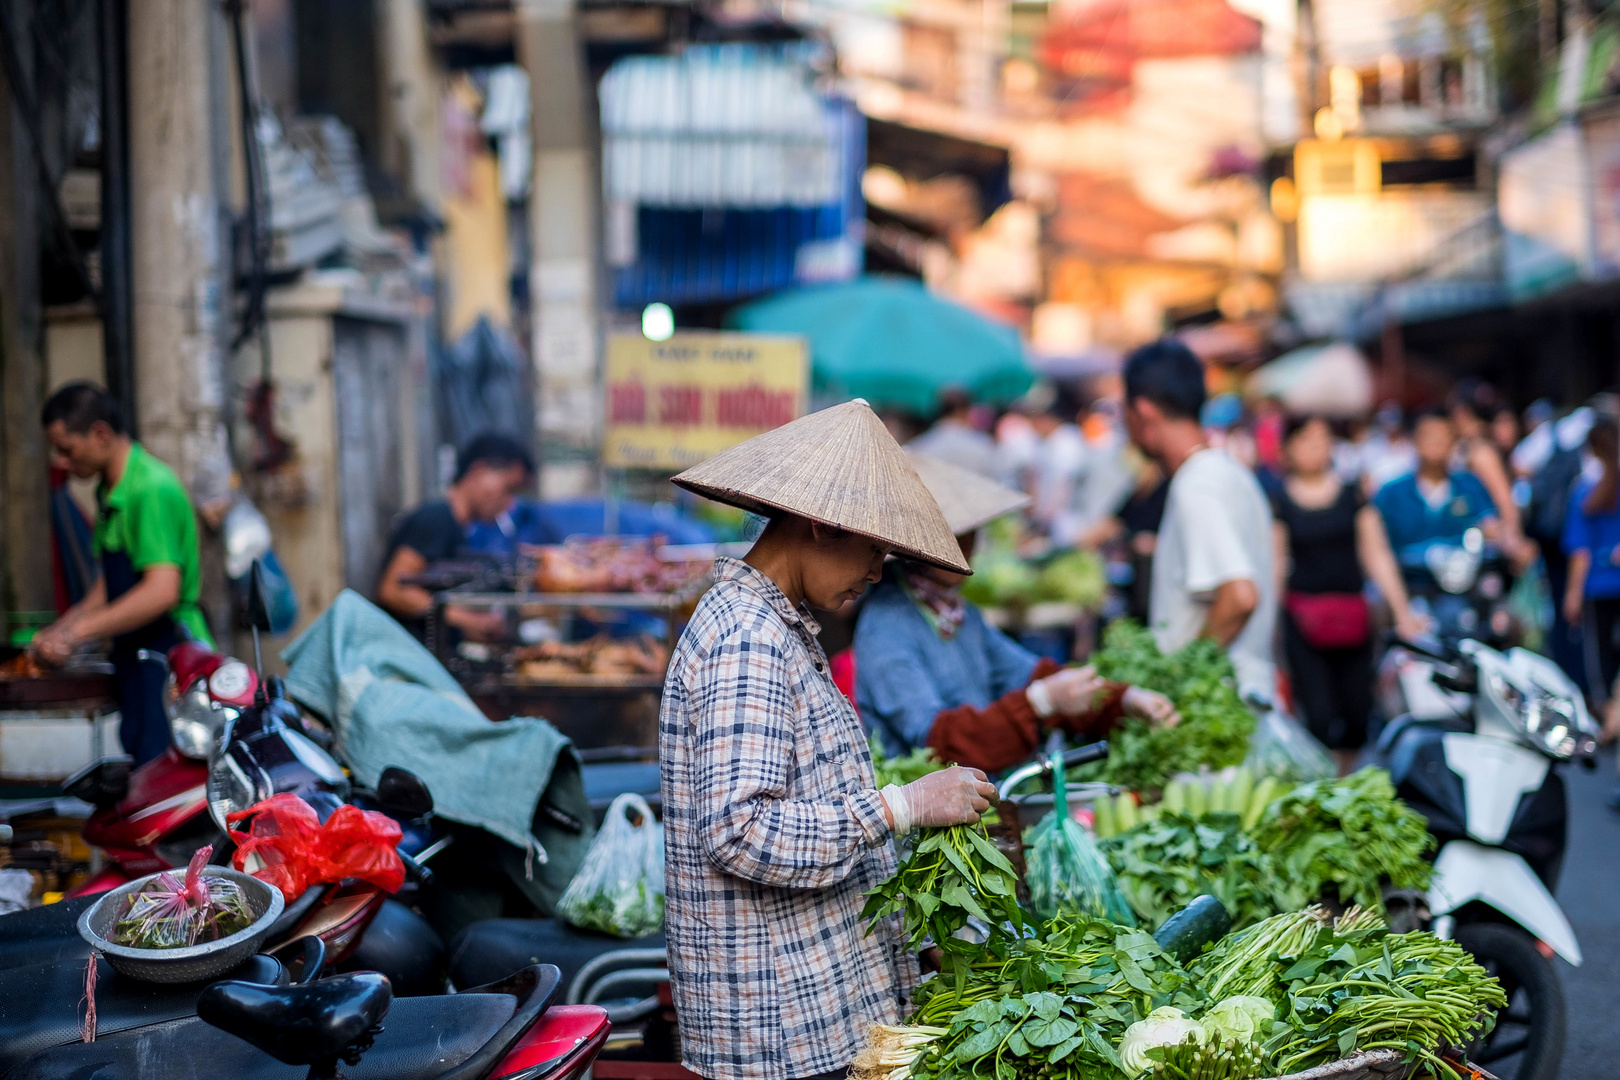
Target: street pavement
{"points": [[1589, 891]]}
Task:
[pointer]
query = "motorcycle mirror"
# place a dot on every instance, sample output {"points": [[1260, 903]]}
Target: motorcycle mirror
{"points": [[101, 783], [258, 608], [403, 794]]}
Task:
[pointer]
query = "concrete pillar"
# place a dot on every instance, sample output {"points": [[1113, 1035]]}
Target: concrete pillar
{"points": [[177, 240], [25, 551], [565, 267], [179, 146]]}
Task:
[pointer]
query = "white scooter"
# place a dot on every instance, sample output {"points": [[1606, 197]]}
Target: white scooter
{"points": [[1475, 753]]}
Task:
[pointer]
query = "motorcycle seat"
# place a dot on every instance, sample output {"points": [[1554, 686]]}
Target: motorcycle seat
{"points": [[319, 1021], [448, 1037], [40, 1004], [44, 935]]}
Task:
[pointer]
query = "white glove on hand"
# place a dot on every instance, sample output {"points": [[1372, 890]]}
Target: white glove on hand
{"points": [[1071, 692], [954, 796]]}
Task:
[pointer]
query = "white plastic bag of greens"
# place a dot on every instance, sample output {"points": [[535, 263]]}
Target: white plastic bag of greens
{"points": [[1282, 747], [619, 889]]}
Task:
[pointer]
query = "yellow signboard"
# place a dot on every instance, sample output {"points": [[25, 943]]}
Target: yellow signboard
{"points": [[670, 404]]}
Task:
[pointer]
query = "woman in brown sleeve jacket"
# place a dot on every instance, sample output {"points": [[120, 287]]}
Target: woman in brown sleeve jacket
{"points": [[929, 671]]}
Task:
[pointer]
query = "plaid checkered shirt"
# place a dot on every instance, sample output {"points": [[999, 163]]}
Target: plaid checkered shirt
{"points": [[773, 832]]}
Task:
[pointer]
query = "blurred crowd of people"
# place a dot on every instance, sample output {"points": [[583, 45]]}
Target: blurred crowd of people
{"points": [[1137, 466]]}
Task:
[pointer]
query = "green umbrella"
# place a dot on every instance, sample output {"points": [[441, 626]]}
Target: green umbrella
{"points": [[892, 342]]}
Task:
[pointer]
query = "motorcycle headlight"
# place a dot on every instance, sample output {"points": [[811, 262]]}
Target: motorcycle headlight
{"points": [[1454, 568], [234, 786], [195, 719], [1549, 723]]}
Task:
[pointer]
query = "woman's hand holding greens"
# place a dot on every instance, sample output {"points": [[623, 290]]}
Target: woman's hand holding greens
{"points": [[954, 796]]}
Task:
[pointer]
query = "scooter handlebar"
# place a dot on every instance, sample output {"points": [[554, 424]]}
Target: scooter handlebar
{"points": [[416, 871], [1085, 755]]}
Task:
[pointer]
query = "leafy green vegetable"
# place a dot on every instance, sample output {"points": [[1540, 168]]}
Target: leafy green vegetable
{"points": [[1215, 726], [1363, 988], [951, 876], [904, 769], [1350, 833], [1250, 962], [1001, 579], [1162, 865], [1074, 577]]}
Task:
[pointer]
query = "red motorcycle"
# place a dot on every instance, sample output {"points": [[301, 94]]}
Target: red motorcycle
{"points": [[155, 817], [235, 741]]}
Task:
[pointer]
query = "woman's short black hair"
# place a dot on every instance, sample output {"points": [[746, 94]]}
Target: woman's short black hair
{"points": [[81, 406], [1297, 422], [1168, 374], [496, 450]]}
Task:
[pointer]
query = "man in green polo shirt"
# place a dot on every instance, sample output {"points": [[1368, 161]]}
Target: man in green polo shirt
{"points": [[146, 539]]}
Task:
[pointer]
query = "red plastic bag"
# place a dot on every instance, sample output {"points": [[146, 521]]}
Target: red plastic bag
{"points": [[298, 851]]}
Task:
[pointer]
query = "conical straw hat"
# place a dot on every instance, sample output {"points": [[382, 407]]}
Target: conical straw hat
{"points": [[841, 467], [967, 499]]}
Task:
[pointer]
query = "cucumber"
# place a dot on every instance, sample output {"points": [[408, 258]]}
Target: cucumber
{"points": [[1150, 812], [1197, 799], [1242, 791], [1220, 792], [1103, 823], [1185, 934], [1265, 792], [1125, 815], [1175, 797]]}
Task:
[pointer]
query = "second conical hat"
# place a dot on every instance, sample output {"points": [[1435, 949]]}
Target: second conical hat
{"points": [[839, 466], [967, 499]]}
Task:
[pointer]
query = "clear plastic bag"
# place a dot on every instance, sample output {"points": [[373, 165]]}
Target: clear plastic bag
{"points": [[619, 889], [1282, 747], [166, 913], [1066, 874]]}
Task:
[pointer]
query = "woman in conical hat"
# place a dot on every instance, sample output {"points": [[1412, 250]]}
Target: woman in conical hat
{"points": [[929, 671], [774, 829]]}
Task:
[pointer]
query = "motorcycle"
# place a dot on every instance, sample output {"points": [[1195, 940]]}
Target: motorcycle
{"points": [[1461, 587], [236, 740], [1480, 763], [263, 1017]]}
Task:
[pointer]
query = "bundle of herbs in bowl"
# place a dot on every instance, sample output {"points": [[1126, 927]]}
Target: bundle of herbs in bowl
{"points": [[167, 914], [168, 928]]}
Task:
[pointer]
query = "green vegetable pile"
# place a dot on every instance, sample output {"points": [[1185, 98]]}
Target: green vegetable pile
{"points": [[1079, 998], [1353, 985], [1004, 579], [1350, 833], [1215, 726], [1334, 839], [1162, 864], [1052, 1005]]}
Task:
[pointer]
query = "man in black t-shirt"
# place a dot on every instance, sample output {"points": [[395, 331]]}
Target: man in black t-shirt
{"points": [[490, 470]]}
